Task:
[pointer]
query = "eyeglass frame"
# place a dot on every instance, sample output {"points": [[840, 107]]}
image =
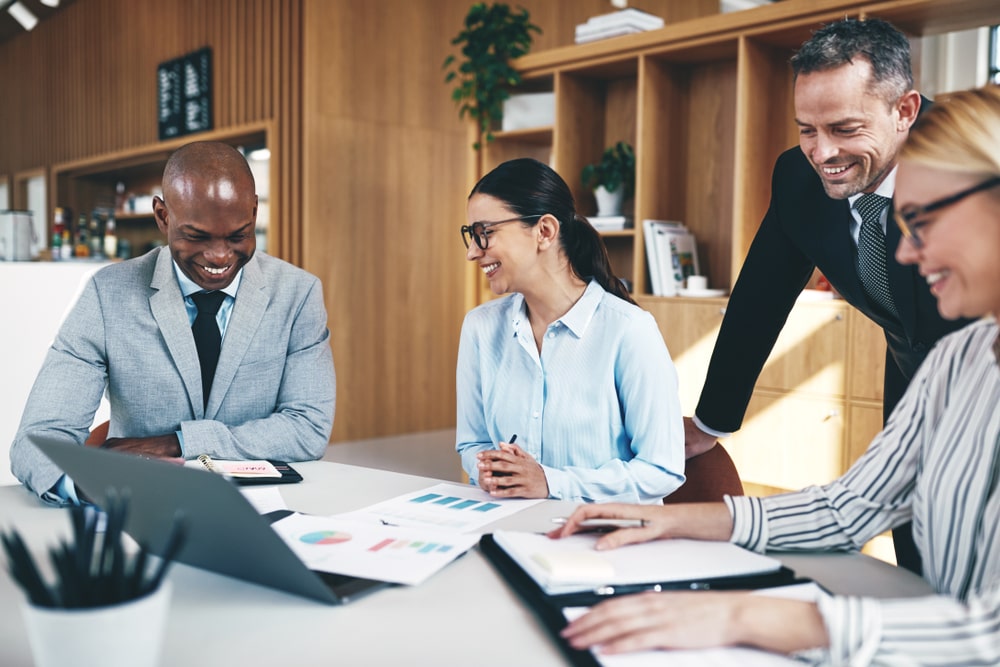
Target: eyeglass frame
{"points": [[910, 225], [470, 230]]}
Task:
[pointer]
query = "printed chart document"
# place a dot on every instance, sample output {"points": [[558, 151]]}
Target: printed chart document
{"points": [[572, 565], [264, 499], [385, 553], [464, 509]]}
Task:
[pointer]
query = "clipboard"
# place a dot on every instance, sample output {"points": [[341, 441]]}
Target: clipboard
{"points": [[549, 608]]}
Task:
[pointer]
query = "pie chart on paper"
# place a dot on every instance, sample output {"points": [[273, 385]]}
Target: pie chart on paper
{"points": [[326, 537]]}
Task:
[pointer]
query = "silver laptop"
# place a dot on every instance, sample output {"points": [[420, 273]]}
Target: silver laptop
{"points": [[225, 534]]}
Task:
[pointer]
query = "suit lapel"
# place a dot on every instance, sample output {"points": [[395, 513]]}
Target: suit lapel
{"points": [[248, 311], [167, 306]]}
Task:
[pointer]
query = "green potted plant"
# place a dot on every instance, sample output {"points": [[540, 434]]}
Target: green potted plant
{"points": [[492, 37], [612, 179]]}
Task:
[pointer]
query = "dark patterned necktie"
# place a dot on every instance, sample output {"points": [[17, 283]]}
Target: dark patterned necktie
{"points": [[872, 252], [207, 337]]}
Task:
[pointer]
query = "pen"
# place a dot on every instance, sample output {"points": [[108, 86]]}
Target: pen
{"points": [[604, 525], [512, 440]]}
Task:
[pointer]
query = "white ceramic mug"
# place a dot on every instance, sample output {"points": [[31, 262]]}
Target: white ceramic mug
{"points": [[697, 283]]}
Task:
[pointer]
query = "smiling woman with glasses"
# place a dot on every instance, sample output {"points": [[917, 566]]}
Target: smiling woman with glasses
{"points": [[567, 363], [936, 462], [911, 219]]}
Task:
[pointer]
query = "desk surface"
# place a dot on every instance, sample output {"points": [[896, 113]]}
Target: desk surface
{"points": [[454, 618]]}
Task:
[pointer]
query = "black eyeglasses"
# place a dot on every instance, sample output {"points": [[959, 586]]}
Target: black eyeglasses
{"points": [[479, 230], [909, 217]]}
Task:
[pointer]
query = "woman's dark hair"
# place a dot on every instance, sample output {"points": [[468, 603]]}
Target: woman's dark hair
{"points": [[529, 187]]}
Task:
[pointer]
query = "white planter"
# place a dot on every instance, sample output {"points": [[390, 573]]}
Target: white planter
{"points": [[609, 203]]}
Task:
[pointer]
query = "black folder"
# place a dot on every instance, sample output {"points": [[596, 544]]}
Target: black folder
{"points": [[549, 608]]}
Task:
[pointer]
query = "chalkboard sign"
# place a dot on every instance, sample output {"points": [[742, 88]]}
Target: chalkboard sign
{"points": [[184, 94]]}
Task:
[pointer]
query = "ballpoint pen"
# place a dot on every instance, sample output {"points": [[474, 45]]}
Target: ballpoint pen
{"points": [[512, 440]]}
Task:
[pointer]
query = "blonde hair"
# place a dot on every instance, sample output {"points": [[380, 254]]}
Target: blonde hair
{"points": [[960, 133]]}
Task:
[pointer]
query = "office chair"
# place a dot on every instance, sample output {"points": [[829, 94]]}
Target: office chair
{"points": [[709, 476], [98, 435]]}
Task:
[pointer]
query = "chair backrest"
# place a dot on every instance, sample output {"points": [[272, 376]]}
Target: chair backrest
{"points": [[709, 477], [98, 435]]}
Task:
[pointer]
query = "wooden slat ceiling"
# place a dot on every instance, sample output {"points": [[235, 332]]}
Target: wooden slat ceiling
{"points": [[10, 28]]}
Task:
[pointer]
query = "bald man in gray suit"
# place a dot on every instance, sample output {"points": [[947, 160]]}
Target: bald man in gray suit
{"points": [[272, 392]]}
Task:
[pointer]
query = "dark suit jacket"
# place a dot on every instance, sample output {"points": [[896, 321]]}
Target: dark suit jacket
{"points": [[803, 229]]}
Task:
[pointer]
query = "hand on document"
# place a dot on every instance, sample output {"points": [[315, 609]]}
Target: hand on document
{"points": [[701, 521], [697, 620]]}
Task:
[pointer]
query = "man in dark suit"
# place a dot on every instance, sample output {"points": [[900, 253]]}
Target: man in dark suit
{"points": [[854, 105]]}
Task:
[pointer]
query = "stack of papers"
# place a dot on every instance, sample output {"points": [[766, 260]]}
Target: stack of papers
{"points": [[624, 22], [671, 255]]}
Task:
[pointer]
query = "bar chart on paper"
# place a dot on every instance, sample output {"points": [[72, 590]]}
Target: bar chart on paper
{"points": [[387, 553], [443, 506]]}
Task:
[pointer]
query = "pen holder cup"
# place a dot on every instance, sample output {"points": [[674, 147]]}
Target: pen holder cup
{"points": [[127, 634]]}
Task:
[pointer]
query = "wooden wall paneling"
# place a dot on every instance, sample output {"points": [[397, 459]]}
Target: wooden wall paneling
{"points": [[385, 172], [80, 96]]}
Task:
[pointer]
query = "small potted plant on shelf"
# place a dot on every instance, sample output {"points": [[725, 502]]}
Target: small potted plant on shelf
{"points": [[612, 179], [492, 37]]}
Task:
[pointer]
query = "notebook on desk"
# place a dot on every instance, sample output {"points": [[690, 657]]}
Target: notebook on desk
{"points": [[539, 571], [225, 534]]}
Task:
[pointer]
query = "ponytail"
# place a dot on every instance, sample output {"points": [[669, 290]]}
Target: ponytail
{"points": [[589, 257]]}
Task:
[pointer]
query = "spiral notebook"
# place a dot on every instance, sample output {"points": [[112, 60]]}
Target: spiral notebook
{"points": [[264, 471]]}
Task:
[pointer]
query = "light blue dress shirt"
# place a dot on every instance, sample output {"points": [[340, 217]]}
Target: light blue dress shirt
{"points": [[598, 408]]}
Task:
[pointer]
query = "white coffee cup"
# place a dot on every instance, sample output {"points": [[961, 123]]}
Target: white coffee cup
{"points": [[697, 283]]}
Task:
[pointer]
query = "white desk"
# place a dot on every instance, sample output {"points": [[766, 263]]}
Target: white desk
{"points": [[465, 614]]}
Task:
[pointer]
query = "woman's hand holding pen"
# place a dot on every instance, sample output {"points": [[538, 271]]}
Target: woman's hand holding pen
{"points": [[510, 472], [701, 521]]}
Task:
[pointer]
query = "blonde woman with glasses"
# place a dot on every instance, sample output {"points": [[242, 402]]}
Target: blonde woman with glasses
{"points": [[937, 461]]}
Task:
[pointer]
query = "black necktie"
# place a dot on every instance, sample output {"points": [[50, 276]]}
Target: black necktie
{"points": [[207, 337], [872, 252]]}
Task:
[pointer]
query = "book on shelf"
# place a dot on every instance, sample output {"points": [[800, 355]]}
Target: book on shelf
{"points": [[610, 223], [671, 255], [624, 22]]}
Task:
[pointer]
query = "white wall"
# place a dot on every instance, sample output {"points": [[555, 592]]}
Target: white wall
{"points": [[954, 61], [34, 298]]}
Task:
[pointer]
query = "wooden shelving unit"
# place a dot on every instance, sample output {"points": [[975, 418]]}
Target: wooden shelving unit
{"points": [[707, 104]]}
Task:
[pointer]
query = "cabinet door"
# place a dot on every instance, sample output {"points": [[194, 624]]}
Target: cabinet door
{"points": [[689, 329], [789, 441], [811, 352], [867, 363]]}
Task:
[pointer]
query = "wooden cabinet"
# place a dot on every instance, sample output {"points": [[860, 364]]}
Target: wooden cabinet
{"points": [[707, 104], [83, 186]]}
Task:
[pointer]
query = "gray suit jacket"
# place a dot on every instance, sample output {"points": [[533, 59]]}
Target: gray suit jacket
{"points": [[129, 334]]}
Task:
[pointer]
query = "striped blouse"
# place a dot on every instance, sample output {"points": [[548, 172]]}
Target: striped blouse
{"points": [[936, 462]]}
